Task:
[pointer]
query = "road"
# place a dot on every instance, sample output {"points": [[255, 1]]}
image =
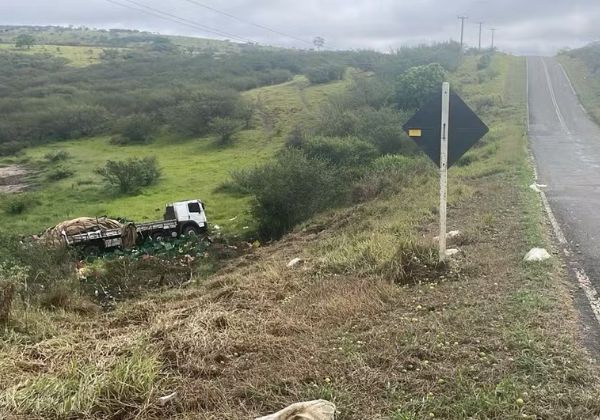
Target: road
{"points": [[566, 146]]}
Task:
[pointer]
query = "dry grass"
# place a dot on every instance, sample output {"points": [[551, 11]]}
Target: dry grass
{"points": [[487, 337]]}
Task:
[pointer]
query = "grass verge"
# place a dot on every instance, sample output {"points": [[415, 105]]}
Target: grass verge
{"points": [[486, 337]]}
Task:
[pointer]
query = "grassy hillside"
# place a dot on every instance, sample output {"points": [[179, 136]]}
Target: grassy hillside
{"points": [[369, 320], [192, 168], [583, 68], [79, 56]]}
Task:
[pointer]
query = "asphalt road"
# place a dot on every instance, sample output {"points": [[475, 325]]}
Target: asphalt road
{"points": [[566, 145]]}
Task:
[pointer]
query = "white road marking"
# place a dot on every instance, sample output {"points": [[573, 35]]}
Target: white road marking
{"points": [[582, 278], [563, 124]]}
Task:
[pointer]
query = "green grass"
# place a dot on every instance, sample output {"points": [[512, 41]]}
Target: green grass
{"points": [[586, 84], [191, 168], [78, 56]]}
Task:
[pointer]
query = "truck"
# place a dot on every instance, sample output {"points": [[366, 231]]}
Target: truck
{"points": [[180, 218]]}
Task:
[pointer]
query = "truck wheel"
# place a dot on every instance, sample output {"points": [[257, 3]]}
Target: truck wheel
{"points": [[91, 251], [158, 236], [190, 230]]}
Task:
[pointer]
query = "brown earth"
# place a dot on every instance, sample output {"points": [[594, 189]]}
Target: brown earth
{"points": [[12, 179]]}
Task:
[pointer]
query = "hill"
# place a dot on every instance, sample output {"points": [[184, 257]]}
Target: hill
{"points": [[368, 319]]}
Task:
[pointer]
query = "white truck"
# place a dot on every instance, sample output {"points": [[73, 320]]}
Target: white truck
{"points": [[180, 218]]}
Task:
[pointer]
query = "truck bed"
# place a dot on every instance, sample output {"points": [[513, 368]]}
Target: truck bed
{"points": [[112, 234]]}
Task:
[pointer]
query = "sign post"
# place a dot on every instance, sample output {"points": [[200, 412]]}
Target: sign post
{"points": [[445, 128], [444, 167]]}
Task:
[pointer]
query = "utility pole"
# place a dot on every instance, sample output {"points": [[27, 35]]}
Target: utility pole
{"points": [[493, 32], [480, 25], [462, 29]]}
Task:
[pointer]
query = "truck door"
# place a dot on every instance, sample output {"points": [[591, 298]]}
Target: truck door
{"points": [[196, 213]]}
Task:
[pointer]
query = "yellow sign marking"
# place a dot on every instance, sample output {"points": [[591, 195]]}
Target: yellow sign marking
{"points": [[414, 132]]}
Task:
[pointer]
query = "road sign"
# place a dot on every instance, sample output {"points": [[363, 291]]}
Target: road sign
{"points": [[464, 128], [445, 128]]}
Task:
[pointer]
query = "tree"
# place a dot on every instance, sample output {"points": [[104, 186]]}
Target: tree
{"points": [[225, 128], [418, 84], [319, 42], [24, 40]]}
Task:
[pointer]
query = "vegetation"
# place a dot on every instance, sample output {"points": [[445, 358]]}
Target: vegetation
{"points": [[369, 319], [583, 67], [24, 40], [130, 175]]}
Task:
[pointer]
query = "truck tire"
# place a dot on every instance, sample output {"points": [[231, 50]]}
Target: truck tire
{"points": [[158, 236], [190, 230], [91, 250]]}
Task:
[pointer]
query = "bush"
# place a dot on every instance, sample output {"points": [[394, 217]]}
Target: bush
{"points": [[484, 61], [58, 173], [346, 151], [289, 190], [11, 148], [134, 129], [18, 203], [225, 128], [57, 156], [388, 174], [325, 73], [418, 84], [130, 175]]}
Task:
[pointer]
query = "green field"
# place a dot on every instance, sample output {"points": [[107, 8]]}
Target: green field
{"points": [[191, 168], [79, 56]]}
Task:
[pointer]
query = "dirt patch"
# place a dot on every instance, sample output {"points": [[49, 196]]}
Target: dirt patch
{"points": [[12, 179]]}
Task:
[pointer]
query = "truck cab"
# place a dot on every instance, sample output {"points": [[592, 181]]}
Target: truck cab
{"points": [[190, 216]]}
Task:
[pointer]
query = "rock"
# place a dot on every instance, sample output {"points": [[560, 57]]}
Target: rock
{"points": [[308, 410], [450, 235], [164, 400], [535, 188], [537, 254], [294, 262], [452, 251]]}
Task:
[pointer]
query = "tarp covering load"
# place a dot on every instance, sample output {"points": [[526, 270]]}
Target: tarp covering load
{"points": [[56, 234]]}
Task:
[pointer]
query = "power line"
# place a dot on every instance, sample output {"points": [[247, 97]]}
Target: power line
{"points": [[266, 28], [182, 21]]}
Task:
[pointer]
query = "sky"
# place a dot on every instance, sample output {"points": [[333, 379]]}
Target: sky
{"points": [[522, 26]]}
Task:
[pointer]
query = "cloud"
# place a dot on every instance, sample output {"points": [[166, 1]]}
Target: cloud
{"points": [[523, 26]]}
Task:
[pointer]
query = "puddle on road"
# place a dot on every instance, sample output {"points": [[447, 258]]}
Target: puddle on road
{"points": [[12, 179]]}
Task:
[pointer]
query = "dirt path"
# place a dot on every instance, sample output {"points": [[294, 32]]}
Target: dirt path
{"points": [[12, 179]]}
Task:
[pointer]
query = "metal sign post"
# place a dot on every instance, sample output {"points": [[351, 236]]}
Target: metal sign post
{"points": [[444, 167]]}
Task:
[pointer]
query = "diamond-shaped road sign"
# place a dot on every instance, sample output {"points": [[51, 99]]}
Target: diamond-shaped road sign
{"points": [[464, 128]]}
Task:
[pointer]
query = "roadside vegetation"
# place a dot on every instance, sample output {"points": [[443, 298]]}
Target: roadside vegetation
{"points": [[366, 318], [583, 68]]}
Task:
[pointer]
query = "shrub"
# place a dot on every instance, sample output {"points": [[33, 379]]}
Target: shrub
{"points": [[416, 86], [345, 151], [58, 173], [388, 174], [130, 175], [325, 73], [18, 203], [134, 129], [225, 128], [289, 190], [11, 148], [484, 61], [57, 156]]}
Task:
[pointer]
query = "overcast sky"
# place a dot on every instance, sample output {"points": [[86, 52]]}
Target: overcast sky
{"points": [[523, 26]]}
